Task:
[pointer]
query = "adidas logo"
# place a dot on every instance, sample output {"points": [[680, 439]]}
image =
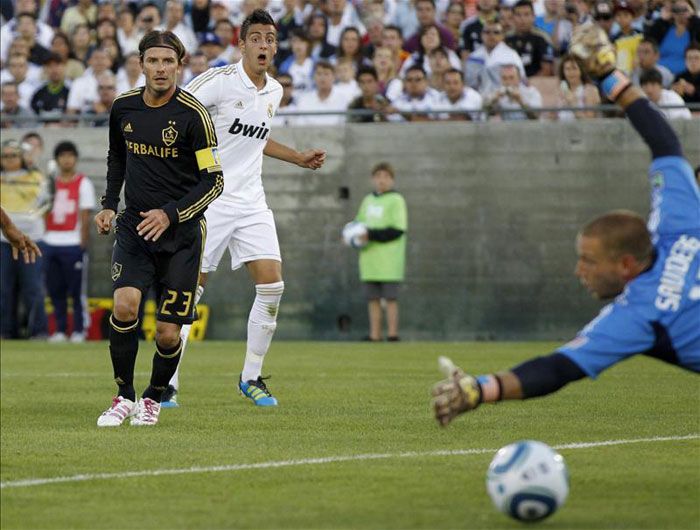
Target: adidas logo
{"points": [[238, 105], [128, 128]]}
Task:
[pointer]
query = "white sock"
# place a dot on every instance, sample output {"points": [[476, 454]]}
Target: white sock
{"points": [[184, 335], [262, 322]]}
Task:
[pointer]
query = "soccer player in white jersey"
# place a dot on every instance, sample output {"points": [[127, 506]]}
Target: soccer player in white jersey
{"points": [[242, 100]]}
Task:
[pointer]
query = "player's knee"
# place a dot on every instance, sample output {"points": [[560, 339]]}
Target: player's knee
{"points": [[167, 335], [125, 310]]}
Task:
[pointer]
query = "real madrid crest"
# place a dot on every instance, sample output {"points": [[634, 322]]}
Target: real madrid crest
{"points": [[169, 134], [270, 110], [116, 271]]}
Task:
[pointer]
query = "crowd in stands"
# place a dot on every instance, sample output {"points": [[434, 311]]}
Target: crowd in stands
{"points": [[397, 60]]}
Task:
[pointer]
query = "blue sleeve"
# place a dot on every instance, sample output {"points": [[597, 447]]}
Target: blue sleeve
{"points": [[616, 334], [675, 198]]}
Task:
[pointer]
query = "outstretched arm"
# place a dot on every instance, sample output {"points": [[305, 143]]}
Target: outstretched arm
{"points": [[310, 159], [18, 240]]}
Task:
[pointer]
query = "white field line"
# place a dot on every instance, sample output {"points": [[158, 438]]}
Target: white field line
{"points": [[315, 461], [65, 374]]}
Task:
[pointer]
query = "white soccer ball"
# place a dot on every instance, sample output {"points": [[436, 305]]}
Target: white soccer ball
{"points": [[353, 234], [528, 480]]}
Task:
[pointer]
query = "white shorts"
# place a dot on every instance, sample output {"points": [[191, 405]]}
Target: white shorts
{"points": [[248, 237]]}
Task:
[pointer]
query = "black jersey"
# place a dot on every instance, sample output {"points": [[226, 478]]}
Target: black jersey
{"points": [[534, 48], [166, 156]]}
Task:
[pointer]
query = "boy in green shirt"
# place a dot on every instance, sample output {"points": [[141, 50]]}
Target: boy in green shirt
{"points": [[383, 259]]}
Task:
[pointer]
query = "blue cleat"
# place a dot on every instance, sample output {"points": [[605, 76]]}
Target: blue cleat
{"points": [[169, 398], [258, 392]]}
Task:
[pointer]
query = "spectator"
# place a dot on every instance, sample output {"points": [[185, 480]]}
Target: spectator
{"points": [[439, 64], [227, 34], [13, 113], [32, 149], [483, 67], [84, 12], [554, 22], [218, 10], [405, 18], [473, 27], [106, 28], [27, 29], [286, 25], [148, 18], [287, 103], [18, 71], [390, 85], [383, 260], [375, 35], [426, 13], [345, 83], [323, 98], [199, 15], [8, 32], [174, 21], [341, 14], [454, 20], [370, 98], [128, 34], [60, 45], [211, 47], [81, 43], [23, 194], [687, 84], [575, 90], [505, 17], [514, 97], [197, 65], [392, 38], [106, 10], [106, 92], [458, 97], [111, 46], [66, 242], [83, 91], [627, 38], [316, 30], [603, 17], [648, 56], [130, 74], [532, 44], [430, 40], [350, 47], [651, 84], [418, 97], [299, 65], [51, 99], [676, 34]]}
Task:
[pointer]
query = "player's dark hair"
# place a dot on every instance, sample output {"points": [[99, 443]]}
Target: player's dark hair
{"points": [[621, 232], [367, 70], [383, 166], [162, 39], [652, 75], [65, 147], [523, 3], [259, 16]]}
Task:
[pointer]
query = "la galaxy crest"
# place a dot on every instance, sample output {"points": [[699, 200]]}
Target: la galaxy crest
{"points": [[169, 134]]}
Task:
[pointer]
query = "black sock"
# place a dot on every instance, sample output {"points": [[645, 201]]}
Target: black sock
{"points": [[123, 347], [164, 365]]}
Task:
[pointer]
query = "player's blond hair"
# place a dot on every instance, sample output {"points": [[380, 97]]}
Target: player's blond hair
{"points": [[621, 232]]}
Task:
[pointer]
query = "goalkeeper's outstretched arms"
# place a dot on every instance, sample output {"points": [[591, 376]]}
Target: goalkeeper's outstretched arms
{"points": [[590, 44], [461, 392]]}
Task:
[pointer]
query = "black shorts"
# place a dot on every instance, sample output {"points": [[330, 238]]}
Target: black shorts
{"points": [[171, 265], [379, 290]]}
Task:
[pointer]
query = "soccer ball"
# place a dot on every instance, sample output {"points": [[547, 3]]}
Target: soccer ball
{"points": [[353, 233], [528, 480]]}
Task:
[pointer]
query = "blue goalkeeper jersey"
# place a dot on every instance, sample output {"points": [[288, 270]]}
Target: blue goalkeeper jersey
{"points": [[658, 314]]}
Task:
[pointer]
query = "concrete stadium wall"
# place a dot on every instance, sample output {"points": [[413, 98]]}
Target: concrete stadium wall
{"points": [[493, 212]]}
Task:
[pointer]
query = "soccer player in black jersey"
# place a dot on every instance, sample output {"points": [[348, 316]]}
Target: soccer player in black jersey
{"points": [[162, 147]]}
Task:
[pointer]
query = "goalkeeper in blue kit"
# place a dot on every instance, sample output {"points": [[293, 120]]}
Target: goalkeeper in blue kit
{"points": [[650, 271]]}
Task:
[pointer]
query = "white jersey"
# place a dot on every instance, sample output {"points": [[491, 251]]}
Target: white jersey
{"points": [[242, 116]]}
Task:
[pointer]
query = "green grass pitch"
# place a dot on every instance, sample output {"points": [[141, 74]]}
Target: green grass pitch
{"points": [[336, 400]]}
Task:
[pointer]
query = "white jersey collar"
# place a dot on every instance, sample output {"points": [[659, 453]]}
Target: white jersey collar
{"points": [[248, 82]]}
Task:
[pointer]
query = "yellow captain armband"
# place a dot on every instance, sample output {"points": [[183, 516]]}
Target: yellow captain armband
{"points": [[208, 158]]}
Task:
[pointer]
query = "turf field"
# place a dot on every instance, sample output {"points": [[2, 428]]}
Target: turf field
{"points": [[352, 445]]}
